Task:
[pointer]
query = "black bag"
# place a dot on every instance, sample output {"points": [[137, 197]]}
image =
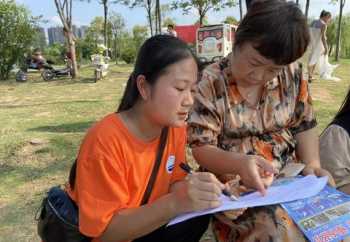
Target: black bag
{"points": [[59, 217], [58, 220]]}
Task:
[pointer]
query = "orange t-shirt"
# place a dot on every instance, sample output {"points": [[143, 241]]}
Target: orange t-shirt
{"points": [[114, 168]]}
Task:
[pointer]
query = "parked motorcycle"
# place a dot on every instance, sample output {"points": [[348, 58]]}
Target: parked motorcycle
{"points": [[37, 62], [34, 63], [49, 74]]}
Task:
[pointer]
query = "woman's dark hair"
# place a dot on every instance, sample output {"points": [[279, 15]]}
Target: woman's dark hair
{"points": [[155, 55], [325, 13], [344, 108], [277, 29]]}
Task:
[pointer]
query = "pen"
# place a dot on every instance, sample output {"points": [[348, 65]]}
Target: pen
{"points": [[189, 170]]}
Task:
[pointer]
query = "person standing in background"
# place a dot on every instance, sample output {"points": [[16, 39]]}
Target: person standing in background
{"points": [[318, 41]]}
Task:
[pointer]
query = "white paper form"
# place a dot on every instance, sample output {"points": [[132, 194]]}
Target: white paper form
{"points": [[300, 188]]}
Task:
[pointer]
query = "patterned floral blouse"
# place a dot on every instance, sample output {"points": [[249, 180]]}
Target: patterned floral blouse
{"points": [[222, 117]]}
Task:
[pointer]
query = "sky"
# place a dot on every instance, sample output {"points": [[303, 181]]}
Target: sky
{"points": [[84, 12]]}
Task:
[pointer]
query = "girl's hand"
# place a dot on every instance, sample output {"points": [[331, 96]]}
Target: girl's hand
{"points": [[199, 191]]}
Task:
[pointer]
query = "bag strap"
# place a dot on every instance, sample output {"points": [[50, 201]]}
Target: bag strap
{"points": [[158, 161]]}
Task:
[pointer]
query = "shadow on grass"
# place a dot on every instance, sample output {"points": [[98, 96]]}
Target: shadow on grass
{"points": [[65, 128]]}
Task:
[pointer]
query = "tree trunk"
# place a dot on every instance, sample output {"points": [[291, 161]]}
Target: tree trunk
{"points": [[65, 12], [149, 15], [105, 11], [297, 1], [156, 17], [341, 5], [71, 43], [159, 17], [307, 8], [240, 10], [4, 72], [115, 49]]}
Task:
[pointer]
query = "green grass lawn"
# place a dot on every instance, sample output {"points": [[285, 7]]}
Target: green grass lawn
{"points": [[57, 114]]}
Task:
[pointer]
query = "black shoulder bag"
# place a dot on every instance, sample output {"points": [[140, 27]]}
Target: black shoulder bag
{"points": [[59, 216]]}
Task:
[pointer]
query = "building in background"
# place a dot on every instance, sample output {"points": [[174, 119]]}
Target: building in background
{"points": [[55, 34], [41, 37]]}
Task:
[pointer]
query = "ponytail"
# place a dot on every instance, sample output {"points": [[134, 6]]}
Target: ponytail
{"points": [[130, 96]]}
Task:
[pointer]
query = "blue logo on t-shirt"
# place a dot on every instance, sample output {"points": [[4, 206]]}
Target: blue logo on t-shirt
{"points": [[170, 164]]}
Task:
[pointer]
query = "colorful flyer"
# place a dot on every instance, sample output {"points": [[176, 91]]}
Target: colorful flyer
{"points": [[324, 217]]}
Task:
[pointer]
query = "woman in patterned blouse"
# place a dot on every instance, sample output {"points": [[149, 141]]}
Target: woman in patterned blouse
{"points": [[254, 107]]}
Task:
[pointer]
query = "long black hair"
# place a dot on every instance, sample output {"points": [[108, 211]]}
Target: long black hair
{"points": [[155, 55]]}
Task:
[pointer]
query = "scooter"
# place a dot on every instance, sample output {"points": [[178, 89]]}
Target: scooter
{"points": [[101, 66]]}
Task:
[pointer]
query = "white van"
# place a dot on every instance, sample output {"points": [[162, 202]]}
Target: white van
{"points": [[214, 41]]}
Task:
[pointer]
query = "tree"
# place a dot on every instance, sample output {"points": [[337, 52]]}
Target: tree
{"points": [[307, 8], [158, 15], [331, 35], [139, 35], [202, 6], [117, 25], [17, 32], [158, 18], [230, 20], [105, 4], [54, 52], [341, 6], [205, 21], [240, 10], [128, 50], [344, 37], [40, 39], [64, 9], [147, 4], [94, 33], [168, 21]]}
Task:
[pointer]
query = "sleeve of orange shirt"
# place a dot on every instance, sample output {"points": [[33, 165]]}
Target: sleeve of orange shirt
{"points": [[101, 185], [178, 173]]}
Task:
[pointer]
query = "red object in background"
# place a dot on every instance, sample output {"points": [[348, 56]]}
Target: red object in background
{"points": [[187, 33]]}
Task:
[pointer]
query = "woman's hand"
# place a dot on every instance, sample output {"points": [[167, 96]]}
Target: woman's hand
{"points": [[199, 191], [250, 172], [318, 171], [234, 187]]}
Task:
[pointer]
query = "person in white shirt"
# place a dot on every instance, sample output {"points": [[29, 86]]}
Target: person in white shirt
{"points": [[318, 43], [335, 147]]}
